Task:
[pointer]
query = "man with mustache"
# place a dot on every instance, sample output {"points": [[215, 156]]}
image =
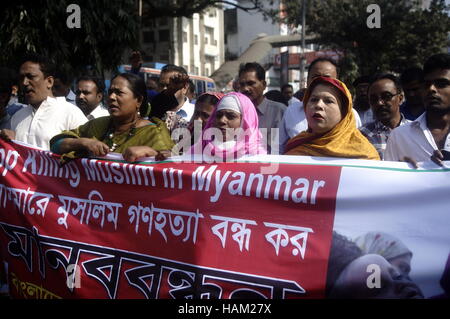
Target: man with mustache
{"points": [[428, 136], [252, 83], [385, 98], [45, 116], [89, 96]]}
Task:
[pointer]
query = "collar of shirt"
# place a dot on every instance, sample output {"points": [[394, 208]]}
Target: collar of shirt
{"points": [[262, 107], [99, 111], [47, 102], [71, 96], [381, 127], [421, 124], [187, 110]]}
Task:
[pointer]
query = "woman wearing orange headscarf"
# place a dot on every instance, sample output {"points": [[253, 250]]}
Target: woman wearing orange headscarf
{"points": [[331, 125]]}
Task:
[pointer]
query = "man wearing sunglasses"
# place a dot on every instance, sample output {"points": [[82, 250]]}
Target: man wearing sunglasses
{"points": [[428, 136], [385, 97]]}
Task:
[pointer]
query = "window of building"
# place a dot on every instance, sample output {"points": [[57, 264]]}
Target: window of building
{"points": [[196, 70], [163, 21], [185, 37], [148, 23], [206, 40], [195, 39], [207, 71], [210, 33], [148, 37], [164, 35]]}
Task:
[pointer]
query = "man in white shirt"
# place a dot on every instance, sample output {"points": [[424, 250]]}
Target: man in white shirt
{"points": [[44, 116], [89, 96], [294, 119], [287, 91], [428, 136]]}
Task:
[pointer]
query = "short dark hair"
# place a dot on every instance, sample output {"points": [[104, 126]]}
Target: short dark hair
{"points": [[138, 87], [410, 75], [287, 86], [277, 96], [63, 77], [388, 76], [173, 68], [99, 83], [208, 99], [45, 64], [323, 59], [253, 66], [437, 61]]}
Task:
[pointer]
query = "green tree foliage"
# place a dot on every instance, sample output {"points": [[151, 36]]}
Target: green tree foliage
{"points": [[408, 34], [186, 8], [108, 28]]}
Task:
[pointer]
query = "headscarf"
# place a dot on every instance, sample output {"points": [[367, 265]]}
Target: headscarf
{"points": [[344, 140], [382, 244], [249, 143]]}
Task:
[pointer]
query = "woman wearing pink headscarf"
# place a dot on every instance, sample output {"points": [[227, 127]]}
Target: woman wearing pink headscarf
{"points": [[231, 131]]}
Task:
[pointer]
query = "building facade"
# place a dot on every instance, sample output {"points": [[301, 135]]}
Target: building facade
{"points": [[241, 28], [195, 43]]}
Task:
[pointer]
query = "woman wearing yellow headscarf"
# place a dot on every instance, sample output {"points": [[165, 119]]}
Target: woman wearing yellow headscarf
{"points": [[331, 125]]}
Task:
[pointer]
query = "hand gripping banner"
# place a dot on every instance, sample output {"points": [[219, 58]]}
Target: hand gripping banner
{"points": [[97, 228]]}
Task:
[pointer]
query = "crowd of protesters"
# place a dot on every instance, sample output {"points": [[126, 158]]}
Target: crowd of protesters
{"points": [[392, 118], [402, 118]]}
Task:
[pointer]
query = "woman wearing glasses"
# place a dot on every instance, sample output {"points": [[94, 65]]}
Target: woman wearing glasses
{"points": [[331, 130]]}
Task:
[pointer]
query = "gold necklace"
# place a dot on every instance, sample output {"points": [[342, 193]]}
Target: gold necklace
{"points": [[110, 135]]}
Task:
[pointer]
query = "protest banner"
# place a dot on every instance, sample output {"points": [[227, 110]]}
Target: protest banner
{"points": [[97, 228]]}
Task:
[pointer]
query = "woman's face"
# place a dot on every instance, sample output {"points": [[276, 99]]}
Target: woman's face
{"points": [[227, 121], [202, 112], [121, 101], [323, 110]]}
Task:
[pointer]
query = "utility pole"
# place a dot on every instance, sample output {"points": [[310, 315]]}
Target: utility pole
{"points": [[303, 58], [140, 25]]}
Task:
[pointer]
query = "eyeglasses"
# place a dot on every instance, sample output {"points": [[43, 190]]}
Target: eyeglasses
{"points": [[385, 97]]}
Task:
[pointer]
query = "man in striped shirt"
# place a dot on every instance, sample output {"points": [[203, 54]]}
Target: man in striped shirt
{"points": [[385, 98]]}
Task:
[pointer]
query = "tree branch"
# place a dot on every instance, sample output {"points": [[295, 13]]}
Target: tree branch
{"points": [[187, 8]]}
